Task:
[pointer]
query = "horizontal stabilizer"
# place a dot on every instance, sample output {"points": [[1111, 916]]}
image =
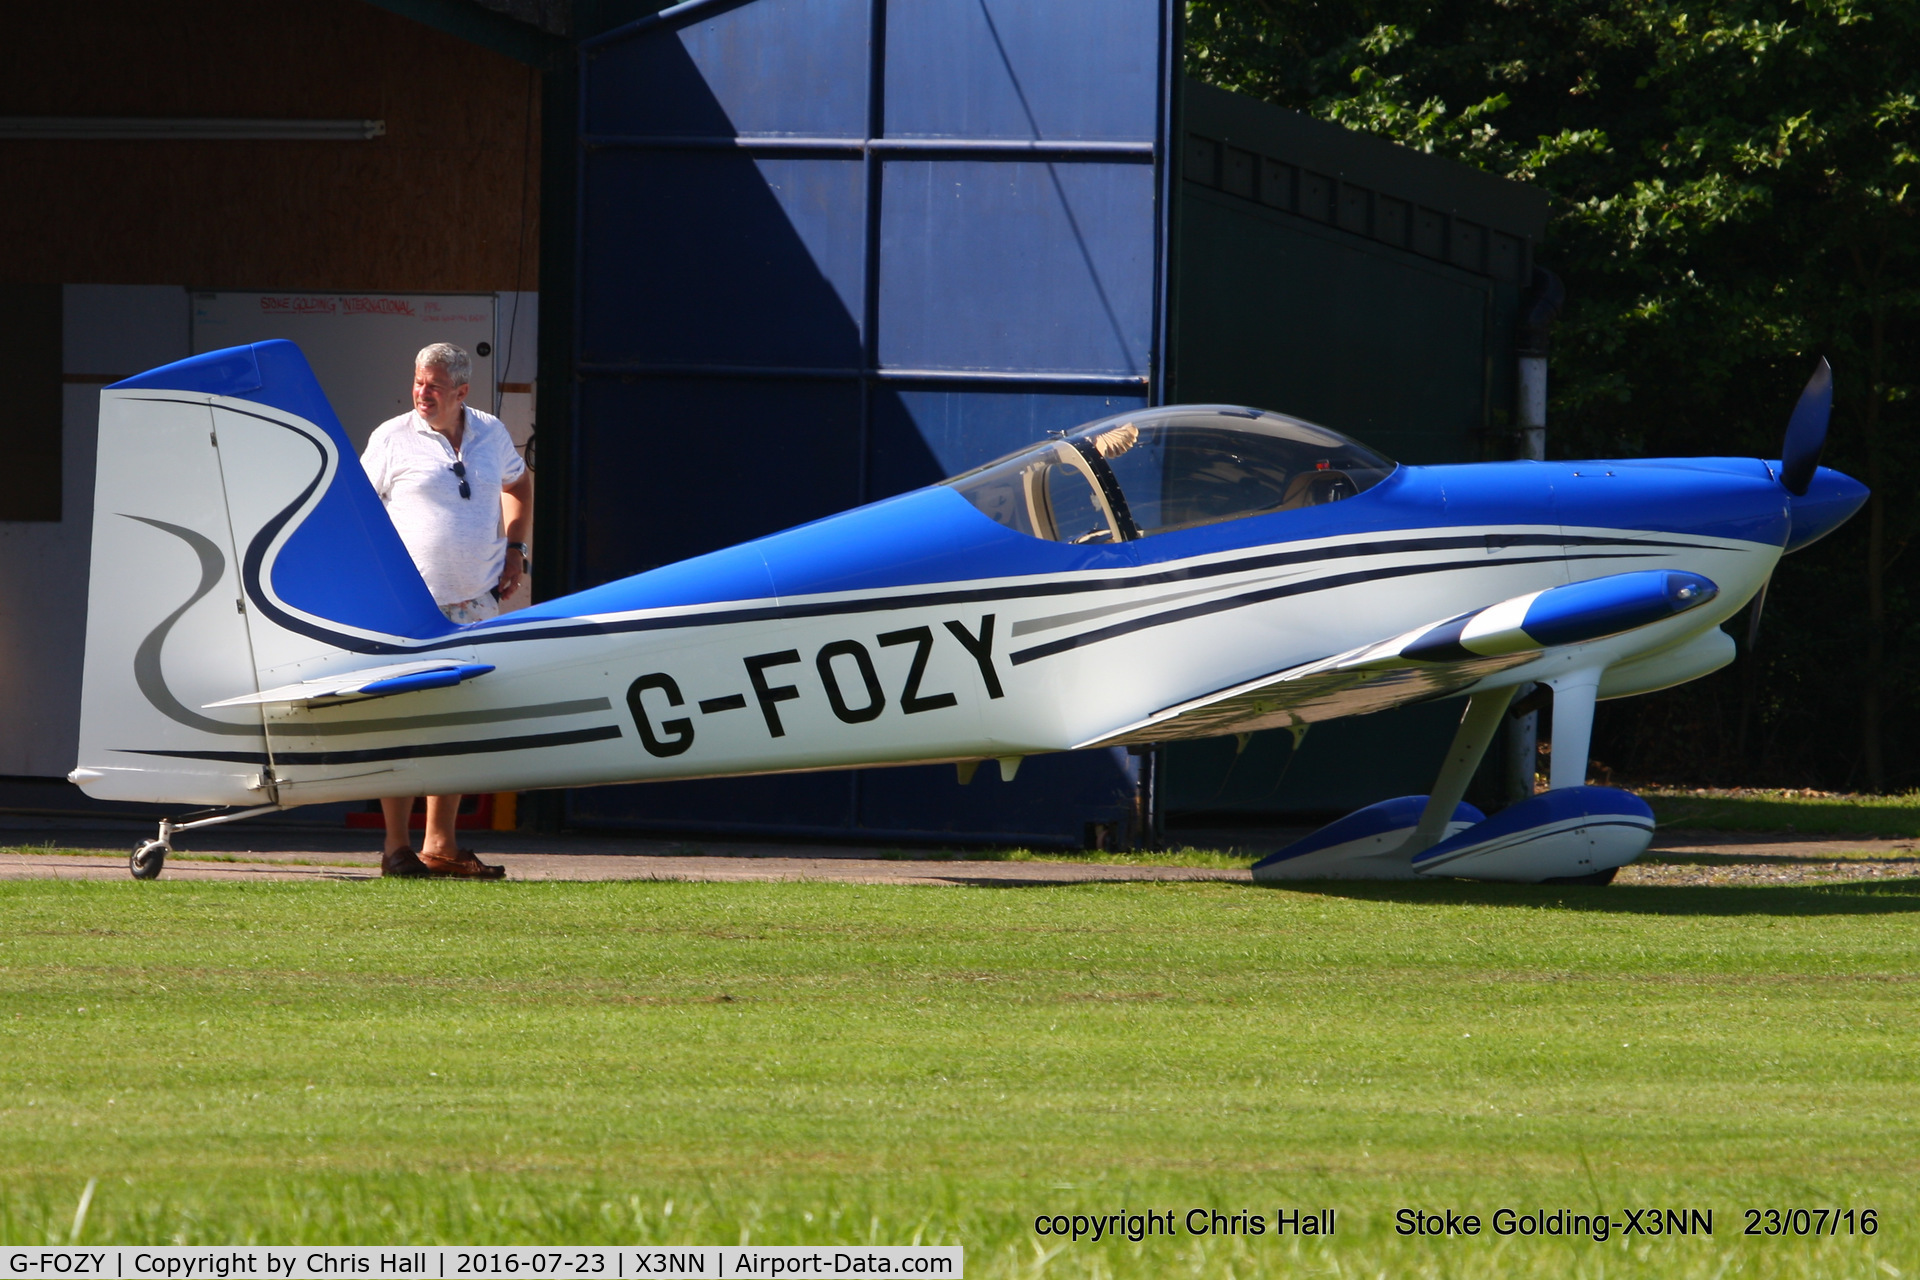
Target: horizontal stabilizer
{"points": [[1428, 662], [373, 682]]}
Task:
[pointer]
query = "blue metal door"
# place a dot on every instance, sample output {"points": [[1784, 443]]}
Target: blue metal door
{"points": [[835, 249]]}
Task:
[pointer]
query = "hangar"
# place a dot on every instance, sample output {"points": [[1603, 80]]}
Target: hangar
{"points": [[739, 264]]}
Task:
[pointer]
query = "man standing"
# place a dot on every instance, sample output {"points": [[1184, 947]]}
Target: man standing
{"points": [[462, 501]]}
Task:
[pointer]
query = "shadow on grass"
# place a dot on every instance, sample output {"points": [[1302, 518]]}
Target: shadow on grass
{"points": [[1663, 858], [1040, 882], [1854, 898]]}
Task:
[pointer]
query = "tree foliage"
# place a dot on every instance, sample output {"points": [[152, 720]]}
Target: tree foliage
{"points": [[1734, 194]]}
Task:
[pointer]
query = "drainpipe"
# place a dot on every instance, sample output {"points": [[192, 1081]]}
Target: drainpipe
{"points": [[1539, 308]]}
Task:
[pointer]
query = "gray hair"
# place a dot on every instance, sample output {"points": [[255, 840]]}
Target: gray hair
{"points": [[457, 363]]}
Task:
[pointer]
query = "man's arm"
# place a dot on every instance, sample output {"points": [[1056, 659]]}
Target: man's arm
{"points": [[516, 511]]}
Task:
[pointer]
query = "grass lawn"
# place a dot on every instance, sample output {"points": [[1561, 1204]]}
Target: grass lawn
{"points": [[1175, 855], [790, 1063]]}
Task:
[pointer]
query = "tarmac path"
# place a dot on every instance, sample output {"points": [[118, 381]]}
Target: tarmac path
{"points": [[286, 852]]}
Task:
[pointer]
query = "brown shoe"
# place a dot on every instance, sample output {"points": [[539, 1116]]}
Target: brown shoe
{"points": [[461, 863], [403, 862]]}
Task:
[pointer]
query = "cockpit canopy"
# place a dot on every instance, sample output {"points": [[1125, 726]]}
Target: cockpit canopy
{"points": [[1137, 474]]}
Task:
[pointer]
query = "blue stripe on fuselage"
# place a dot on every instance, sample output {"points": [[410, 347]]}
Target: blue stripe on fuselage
{"points": [[934, 536]]}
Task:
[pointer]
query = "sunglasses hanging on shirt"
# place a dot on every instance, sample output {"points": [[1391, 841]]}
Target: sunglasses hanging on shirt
{"points": [[460, 469]]}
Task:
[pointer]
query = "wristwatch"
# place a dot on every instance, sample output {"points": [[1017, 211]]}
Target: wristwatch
{"points": [[526, 552]]}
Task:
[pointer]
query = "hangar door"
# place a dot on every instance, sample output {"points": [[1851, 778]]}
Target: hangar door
{"points": [[831, 250]]}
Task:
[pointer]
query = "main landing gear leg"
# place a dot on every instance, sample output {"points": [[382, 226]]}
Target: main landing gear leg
{"points": [[149, 857], [1573, 698], [1478, 724]]}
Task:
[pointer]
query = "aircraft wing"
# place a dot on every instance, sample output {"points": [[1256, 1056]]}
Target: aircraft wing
{"points": [[1427, 662], [368, 682]]}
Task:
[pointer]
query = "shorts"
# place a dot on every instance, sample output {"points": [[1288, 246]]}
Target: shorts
{"points": [[478, 609]]}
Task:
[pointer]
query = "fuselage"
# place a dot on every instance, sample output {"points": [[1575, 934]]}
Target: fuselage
{"points": [[916, 629], [1079, 591]]}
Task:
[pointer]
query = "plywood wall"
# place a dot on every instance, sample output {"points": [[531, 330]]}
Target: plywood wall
{"points": [[447, 200]]}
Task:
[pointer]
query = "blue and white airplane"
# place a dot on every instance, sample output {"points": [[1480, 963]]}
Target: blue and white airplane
{"points": [[258, 637]]}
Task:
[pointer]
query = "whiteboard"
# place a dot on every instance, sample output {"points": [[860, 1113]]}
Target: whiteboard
{"points": [[361, 345]]}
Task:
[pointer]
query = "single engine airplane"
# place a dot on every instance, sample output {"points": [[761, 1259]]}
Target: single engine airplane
{"points": [[258, 637]]}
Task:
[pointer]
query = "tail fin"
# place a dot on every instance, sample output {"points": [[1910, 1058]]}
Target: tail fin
{"points": [[237, 545]]}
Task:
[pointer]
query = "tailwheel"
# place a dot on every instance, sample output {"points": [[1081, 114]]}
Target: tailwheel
{"points": [[148, 859]]}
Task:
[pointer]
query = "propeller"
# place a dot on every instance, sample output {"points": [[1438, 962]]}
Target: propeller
{"points": [[1807, 431], [1799, 459]]}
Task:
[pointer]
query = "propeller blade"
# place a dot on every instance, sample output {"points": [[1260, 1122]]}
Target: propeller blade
{"points": [[1807, 431], [1753, 615]]}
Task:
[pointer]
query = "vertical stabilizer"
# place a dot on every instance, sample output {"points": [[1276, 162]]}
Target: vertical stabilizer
{"points": [[236, 545]]}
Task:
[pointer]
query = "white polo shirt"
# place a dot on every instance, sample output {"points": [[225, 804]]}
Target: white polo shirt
{"points": [[457, 543]]}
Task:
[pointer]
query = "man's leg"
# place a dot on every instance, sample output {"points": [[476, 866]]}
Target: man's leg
{"points": [[439, 851], [398, 858], [438, 838], [398, 811]]}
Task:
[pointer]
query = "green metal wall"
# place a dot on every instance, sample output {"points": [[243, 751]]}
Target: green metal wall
{"points": [[1316, 323], [1345, 280]]}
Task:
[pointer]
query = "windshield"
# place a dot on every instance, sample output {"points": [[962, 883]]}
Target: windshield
{"points": [[1138, 474]]}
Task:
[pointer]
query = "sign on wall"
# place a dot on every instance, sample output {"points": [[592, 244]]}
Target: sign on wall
{"points": [[361, 345]]}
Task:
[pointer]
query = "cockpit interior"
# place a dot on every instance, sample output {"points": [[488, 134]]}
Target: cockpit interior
{"points": [[1153, 471]]}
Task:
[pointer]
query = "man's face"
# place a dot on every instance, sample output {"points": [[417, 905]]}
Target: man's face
{"points": [[434, 395]]}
